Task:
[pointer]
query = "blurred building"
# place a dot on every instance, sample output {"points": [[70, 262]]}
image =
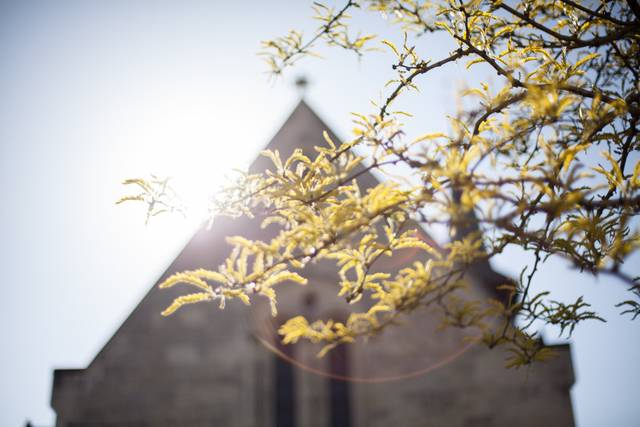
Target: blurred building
{"points": [[208, 367]]}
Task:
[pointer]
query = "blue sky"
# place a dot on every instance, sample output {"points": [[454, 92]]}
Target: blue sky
{"points": [[94, 92]]}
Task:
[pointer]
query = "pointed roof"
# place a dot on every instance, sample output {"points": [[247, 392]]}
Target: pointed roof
{"points": [[302, 129]]}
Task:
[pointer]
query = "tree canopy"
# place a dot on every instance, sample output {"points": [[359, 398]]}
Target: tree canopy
{"points": [[544, 159]]}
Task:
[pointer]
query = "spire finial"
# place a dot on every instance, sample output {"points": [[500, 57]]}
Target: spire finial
{"points": [[302, 83]]}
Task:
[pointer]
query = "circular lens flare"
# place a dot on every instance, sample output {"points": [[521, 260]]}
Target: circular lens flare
{"points": [[399, 352]]}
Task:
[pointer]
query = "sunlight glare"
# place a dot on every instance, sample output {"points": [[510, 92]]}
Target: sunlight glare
{"points": [[183, 139]]}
